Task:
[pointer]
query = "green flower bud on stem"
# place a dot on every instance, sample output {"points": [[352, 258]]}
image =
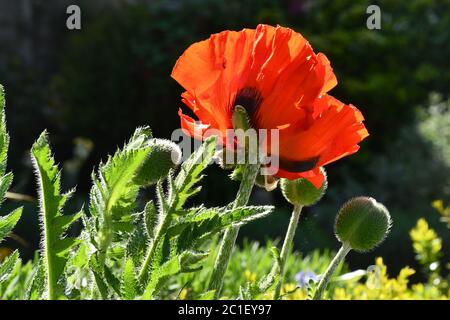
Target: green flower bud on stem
{"points": [[302, 192], [361, 224], [164, 156]]}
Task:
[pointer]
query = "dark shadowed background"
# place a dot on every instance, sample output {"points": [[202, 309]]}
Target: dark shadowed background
{"points": [[93, 86]]}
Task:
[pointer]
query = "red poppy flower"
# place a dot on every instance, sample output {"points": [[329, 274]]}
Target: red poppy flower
{"points": [[275, 75]]}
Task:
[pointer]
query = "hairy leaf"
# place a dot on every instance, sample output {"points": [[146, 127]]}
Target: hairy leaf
{"points": [[191, 172], [8, 222], [114, 192], [36, 283], [8, 266], [55, 245], [205, 222], [255, 290], [129, 283]]}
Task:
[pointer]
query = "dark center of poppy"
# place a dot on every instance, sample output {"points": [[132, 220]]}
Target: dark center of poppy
{"points": [[250, 98], [298, 166]]}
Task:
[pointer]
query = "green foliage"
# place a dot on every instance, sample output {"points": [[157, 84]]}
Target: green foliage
{"points": [[257, 290], [251, 272], [56, 245], [129, 282], [35, 284], [114, 191], [164, 248], [177, 235], [252, 262], [8, 222], [8, 266], [121, 253], [191, 173], [169, 209]]}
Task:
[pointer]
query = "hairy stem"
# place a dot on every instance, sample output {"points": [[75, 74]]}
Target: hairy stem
{"points": [[151, 250], [229, 239], [49, 263], [287, 245], [343, 251]]}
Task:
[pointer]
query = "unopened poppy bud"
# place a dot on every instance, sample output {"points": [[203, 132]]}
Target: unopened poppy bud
{"points": [[362, 223], [240, 118], [165, 155], [302, 192]]}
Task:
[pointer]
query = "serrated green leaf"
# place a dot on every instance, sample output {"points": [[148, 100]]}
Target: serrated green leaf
{"points": [[114, 192], [8, 222], [205, 222], [255, 290], [54, 225], [191, 172], [111, 280], [100, 282], [35, 285], [77, 273], [8, 266], [137, 244], [159, 275], [271, 279], [312, 289], [129, 282], [5, 183], [65, 221], [244, 215]]}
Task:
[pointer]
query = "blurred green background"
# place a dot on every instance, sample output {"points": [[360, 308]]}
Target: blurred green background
{"points": [[92, 87]]}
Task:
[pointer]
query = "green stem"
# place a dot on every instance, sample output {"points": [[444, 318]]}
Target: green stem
{"points": [[229, 239], [287, 245], [343, 251], [51, 275], [152, 248]]}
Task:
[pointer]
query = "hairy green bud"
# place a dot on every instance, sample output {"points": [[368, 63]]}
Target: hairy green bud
{"points": [[302, 192], [164, 156], [363, 223]]}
